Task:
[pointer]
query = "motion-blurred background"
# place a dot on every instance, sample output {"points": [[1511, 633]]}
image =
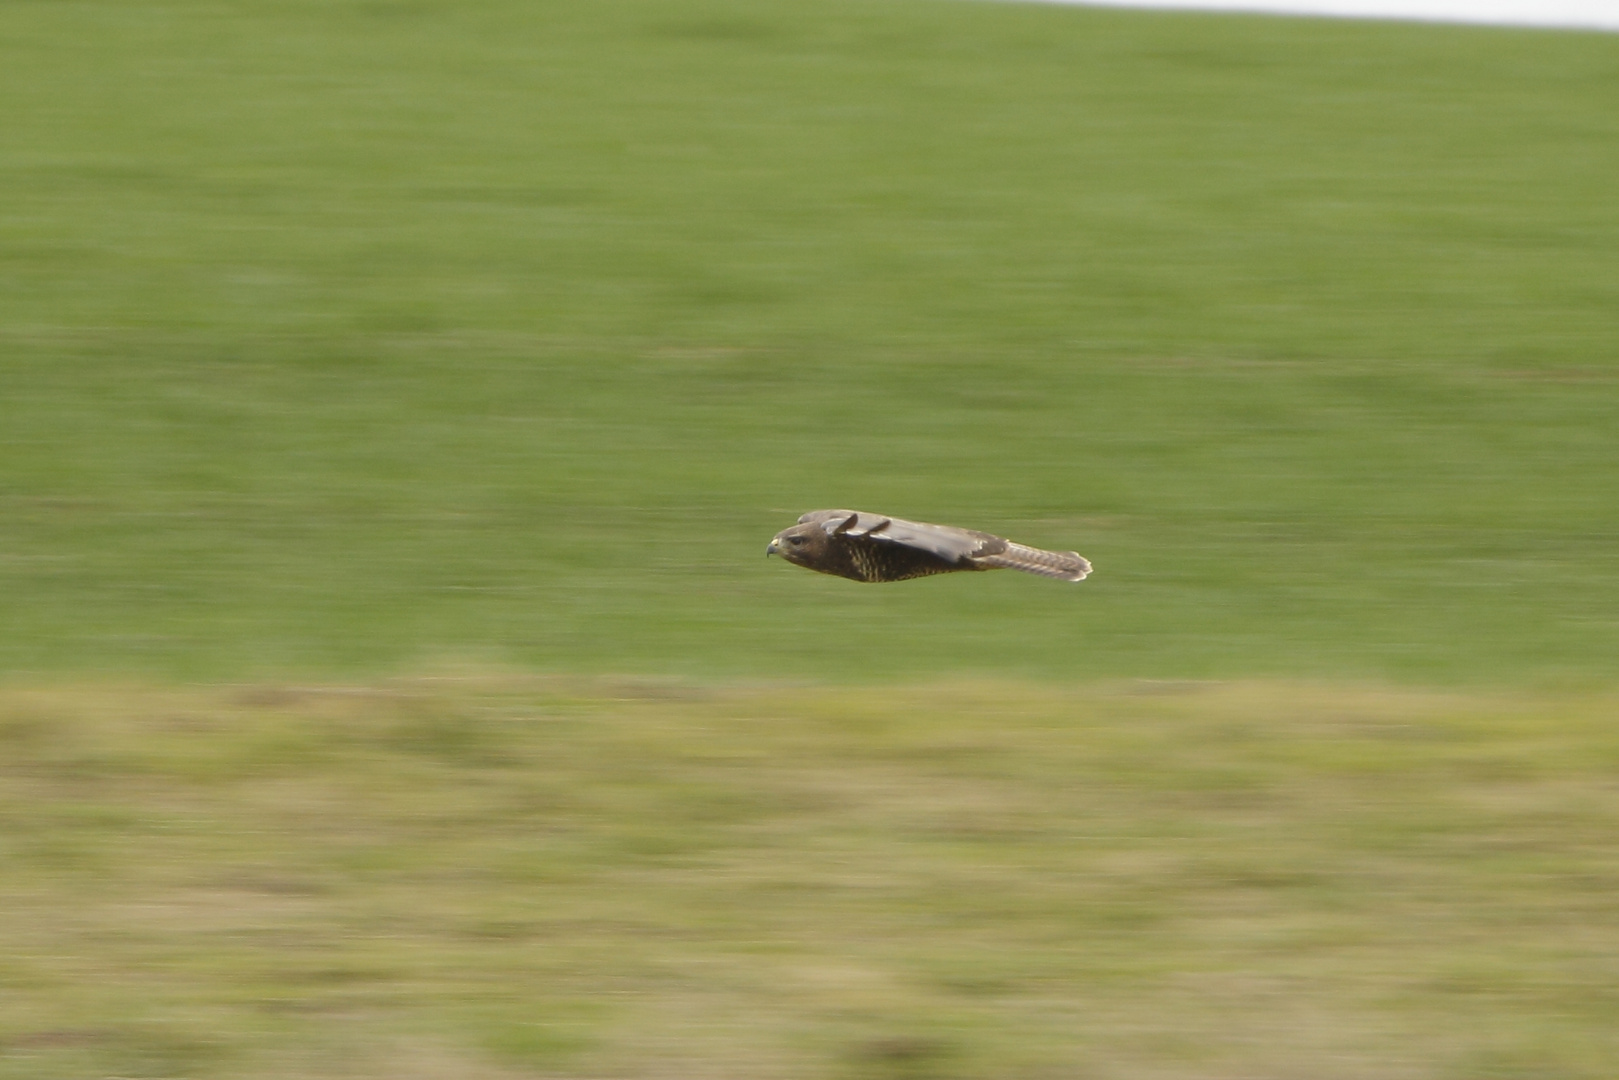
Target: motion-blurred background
{"points": [[396, 398]]}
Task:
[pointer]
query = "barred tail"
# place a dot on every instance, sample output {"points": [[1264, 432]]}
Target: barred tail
{"points": [[1063, 565]]}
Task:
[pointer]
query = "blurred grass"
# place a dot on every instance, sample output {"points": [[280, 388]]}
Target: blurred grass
{"points": [[349, 337], [494, 875], [361, 337]]}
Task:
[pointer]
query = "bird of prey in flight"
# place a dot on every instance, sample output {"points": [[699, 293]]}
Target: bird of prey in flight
{"points": [[871, 547]]}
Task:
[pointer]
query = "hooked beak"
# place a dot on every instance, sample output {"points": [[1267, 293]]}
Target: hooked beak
{"points": [[773, 549]]}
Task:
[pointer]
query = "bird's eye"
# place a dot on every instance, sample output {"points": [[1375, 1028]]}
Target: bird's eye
{"points": [[795, 539]]}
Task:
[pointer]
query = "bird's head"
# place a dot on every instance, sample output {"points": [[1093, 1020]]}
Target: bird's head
{"points": [[802, 544]]}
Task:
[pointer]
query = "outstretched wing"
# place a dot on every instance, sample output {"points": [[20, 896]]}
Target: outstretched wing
{"points": [[945, 541]]}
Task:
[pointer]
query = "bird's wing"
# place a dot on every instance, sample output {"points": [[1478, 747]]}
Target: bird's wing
{"points": [[829, 515], [947, 542]]}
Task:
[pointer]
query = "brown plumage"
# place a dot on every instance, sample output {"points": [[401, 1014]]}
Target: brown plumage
{"points": [[871, 547]]}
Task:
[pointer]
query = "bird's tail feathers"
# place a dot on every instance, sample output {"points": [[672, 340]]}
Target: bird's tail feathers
{"points": [[1063, 565]]}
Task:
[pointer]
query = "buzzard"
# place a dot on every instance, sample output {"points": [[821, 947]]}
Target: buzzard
{"points": [[871, 547]]}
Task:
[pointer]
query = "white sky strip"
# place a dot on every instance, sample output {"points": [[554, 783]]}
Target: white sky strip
{"points": [[1566, 14]]}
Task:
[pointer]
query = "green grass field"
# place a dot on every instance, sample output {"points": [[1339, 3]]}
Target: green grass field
{"points": [[396, 398], [353, 337], [518, 877]]}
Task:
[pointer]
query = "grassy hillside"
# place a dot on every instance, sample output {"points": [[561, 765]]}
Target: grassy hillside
{"points": [[343, 341], [350, 336], [487, 877]]}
